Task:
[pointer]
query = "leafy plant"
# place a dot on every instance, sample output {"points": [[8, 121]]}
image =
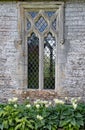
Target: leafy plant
{"points": [[71, 119], [42, 115]]}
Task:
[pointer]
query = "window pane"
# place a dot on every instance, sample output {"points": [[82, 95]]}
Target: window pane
{"points": [[28, 24], [41, 24], [49, 62], [33, 14], [33, 62], [49, 13], [54, 24]]}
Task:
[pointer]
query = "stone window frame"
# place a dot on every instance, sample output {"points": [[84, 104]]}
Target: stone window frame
{"points": [[23, 82]]}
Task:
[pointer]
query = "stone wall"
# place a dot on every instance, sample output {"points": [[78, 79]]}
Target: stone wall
{"points": [[8, 52], [72, 77], [74, 81]]}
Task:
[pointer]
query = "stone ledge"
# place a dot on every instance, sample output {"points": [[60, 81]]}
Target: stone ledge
{"points": [[40, 94]]}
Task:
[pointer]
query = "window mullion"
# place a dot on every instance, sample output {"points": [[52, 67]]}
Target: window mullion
{"points": [[41, 61], [56, 66]]}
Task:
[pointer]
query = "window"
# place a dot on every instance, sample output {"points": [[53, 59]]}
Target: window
{"points": [[42, 32]]}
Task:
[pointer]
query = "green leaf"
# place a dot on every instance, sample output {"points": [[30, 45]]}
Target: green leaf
{"points": [[5, 124], [11, 122], [73, 122], [79, 115], [18, 126], [1, 126], [11, 128], [80, 122], [1, 113]]}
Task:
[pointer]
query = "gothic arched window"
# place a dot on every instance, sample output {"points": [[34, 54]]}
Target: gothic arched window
{"points": [[43, 31]]}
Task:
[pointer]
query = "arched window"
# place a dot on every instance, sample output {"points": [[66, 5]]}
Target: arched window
{"points": [[42, 31]]}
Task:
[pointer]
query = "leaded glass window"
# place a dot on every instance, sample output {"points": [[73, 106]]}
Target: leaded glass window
{"points": [[28, 24], [49, 61], [33, 14], [54, 24], [49, 13], [33, 61], [41, 24], [42, 36]]}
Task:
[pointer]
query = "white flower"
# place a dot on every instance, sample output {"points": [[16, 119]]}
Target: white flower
{"points": [[66, 98], [79, 98], [74, 105], [57, 101], [37, 105], [28, 98], [73, 100], [37, 101], [39, 117], [15, 99], [28, 105], [44, 102], [9, 100], [46, 105], [15, 105], [24, 92], [50, 103]]}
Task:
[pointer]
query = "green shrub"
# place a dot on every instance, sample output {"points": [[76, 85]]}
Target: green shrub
{"points": [[42, 115]]}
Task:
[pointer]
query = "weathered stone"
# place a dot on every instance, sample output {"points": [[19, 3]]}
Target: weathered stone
{"points": [[71, 56]]}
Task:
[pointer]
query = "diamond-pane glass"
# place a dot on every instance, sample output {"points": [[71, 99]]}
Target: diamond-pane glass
{"points": [[49, 62], [33, 14], [41, 24], [54, 24], [33, 62], [28, 24], [49, 13]]}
